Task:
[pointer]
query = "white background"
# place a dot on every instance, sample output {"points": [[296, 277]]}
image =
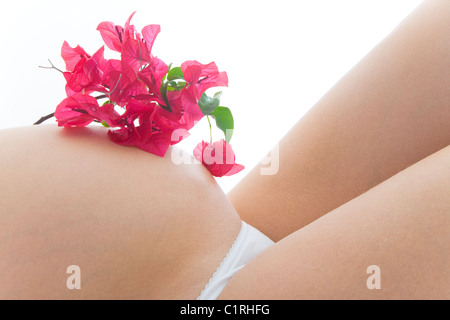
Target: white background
{"points": [[281, 56]]}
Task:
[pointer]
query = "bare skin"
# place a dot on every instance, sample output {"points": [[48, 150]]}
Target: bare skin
{"points": [[138, 226], [386, 115], [402, 226], [364, 180], [389, 112]]}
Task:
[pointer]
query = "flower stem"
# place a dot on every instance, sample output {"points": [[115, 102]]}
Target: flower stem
{"points": [[43, 119], [210, 131], [52, 67], [164, 94], [117, 84], [104, 96]]}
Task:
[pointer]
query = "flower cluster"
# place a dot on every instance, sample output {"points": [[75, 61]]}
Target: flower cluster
{"points": [[145, 102]]}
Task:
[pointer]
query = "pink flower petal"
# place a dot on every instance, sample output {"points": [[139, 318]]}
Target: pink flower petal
{"points": [[235, 170], [78, 110], [219, 158], [72, 56], [112, 35], [135, 54], [149, 34]]}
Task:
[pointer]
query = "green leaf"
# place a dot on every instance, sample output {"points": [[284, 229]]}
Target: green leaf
{"points": [[105, 124], [175, 74], [170, 67], [224, 121], [208, 104], [180, 85], [163, 89], [176, 85]]}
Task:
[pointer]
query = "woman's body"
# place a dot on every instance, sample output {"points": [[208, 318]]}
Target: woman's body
{"points": [[388, 113], [142, 227], [137, 225]]}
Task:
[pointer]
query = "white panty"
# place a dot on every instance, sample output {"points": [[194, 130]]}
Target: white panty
{"points": [[249, 243]]}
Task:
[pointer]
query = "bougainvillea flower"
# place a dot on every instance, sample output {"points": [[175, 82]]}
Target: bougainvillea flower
{"points": [[108, 114], [72, 56], [156, 143], [116, 77], [152, 76], [191, 111], [135, 49], [199, 78], [84, 72], [77, 110], [147, 106], [126, 134], [122, 83], [149, 34], [115, 36], [135, 54], [177, 119], [218, 158], [138, 128]]}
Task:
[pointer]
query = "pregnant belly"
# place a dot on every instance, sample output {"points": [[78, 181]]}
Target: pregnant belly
{"points": [[83, 218]]}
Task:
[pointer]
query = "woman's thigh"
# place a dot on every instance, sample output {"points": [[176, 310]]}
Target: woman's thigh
{"points": [[390, 111], [401, 227], [137, 225]]}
